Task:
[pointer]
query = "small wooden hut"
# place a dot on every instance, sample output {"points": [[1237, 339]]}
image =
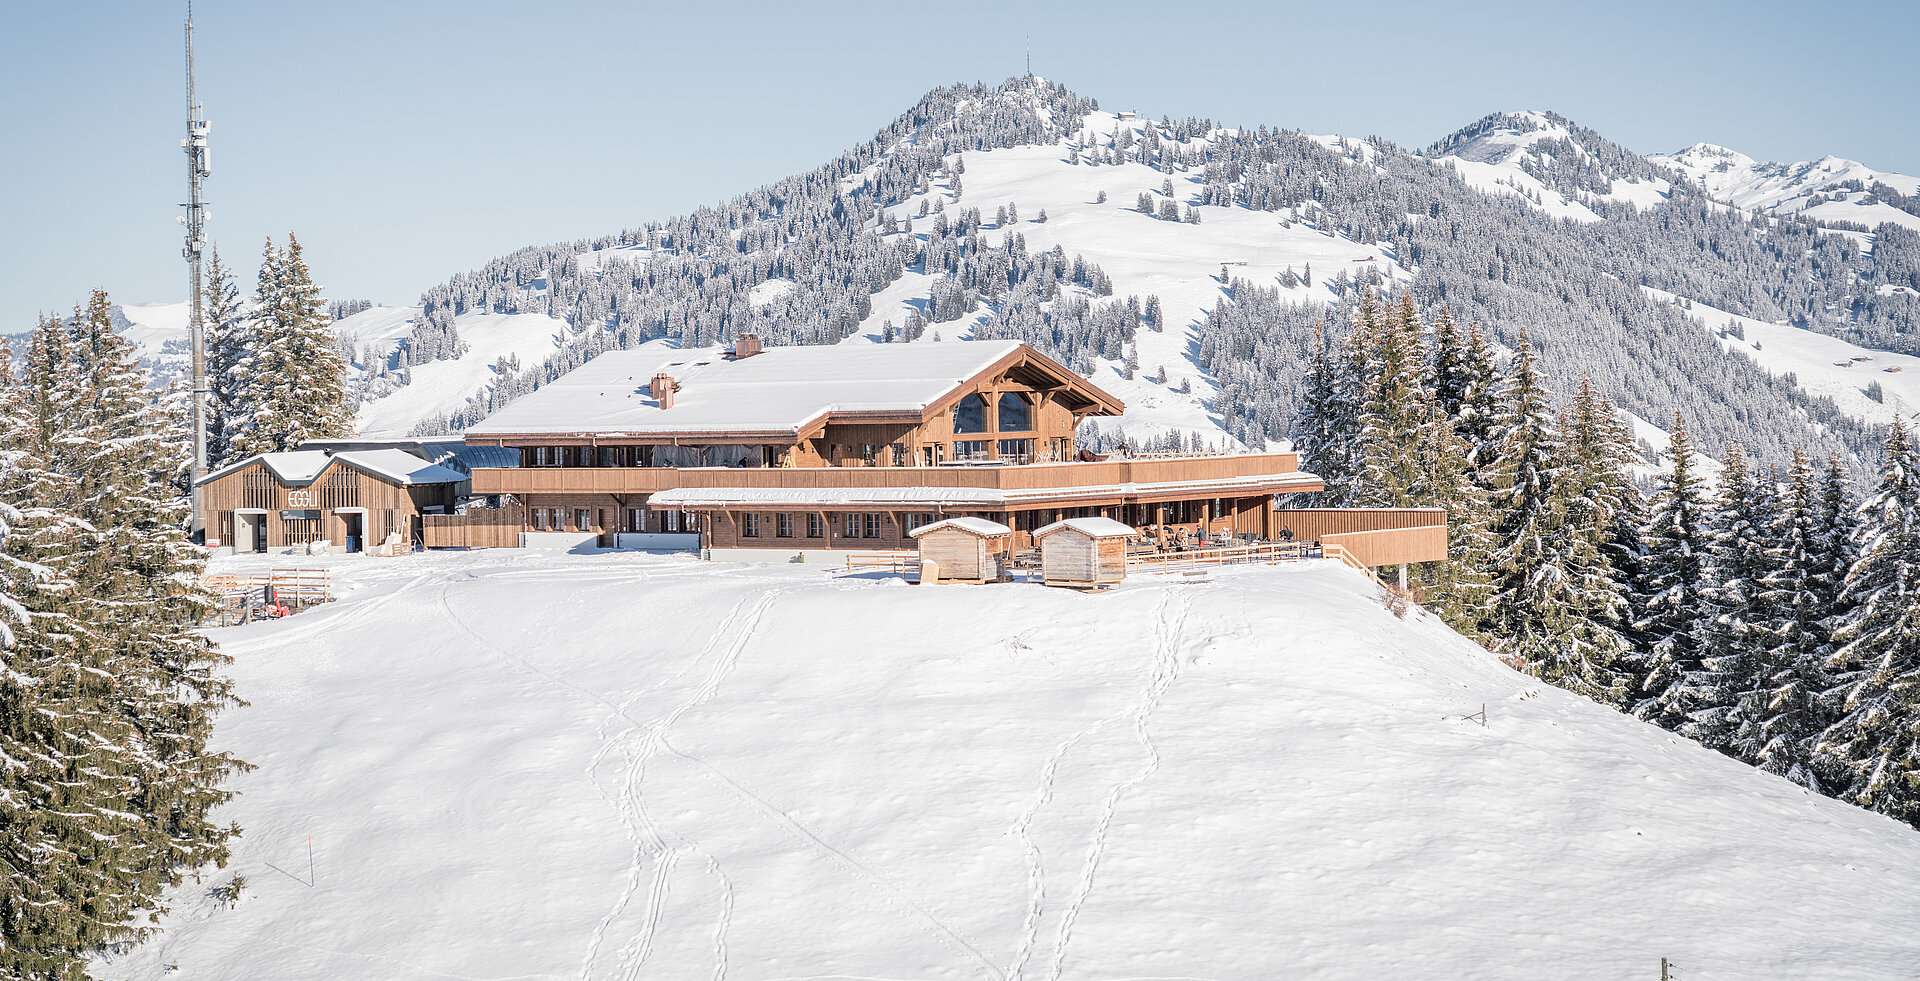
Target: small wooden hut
{"points": [[1083, 552], [962, 549]]}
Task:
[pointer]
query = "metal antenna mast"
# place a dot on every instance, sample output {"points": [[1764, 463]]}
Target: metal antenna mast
{"points": [[195, 219], [1029, 55]]}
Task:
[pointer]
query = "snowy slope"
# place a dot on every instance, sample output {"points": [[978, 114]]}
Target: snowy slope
{"points": [[439, 387], [1179, 262], [1824, 365], [790, 775], [1490, 159], [1788, 188]]}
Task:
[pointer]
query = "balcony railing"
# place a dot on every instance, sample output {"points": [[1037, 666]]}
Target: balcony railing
{"points": [[1034, 476]]}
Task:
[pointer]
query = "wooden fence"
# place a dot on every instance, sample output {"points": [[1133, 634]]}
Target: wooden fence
{"points": [[478, 528], [242, 597]]}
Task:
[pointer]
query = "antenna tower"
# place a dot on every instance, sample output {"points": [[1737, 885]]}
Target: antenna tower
{"points": [[1029, 56], [195, 219]]}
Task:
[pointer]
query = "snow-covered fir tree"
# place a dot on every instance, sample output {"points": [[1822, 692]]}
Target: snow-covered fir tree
{"points": [[129, 753], [1876, 671], [1530, 610], [292, 380], [228, 335], [1799, 595], [1742, 552], [1675, 590], [1594, 491]]}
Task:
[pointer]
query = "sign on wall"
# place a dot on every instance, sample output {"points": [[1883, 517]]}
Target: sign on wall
{"points": [[300, 498]]}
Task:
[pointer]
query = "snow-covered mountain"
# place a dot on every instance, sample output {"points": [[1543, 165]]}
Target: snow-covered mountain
{"points": [[1831, 189], [1545, 159], [1264, 775], [1249, 237]]}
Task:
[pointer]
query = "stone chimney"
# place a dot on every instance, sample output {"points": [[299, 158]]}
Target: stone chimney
{"points": [[662, 387], [746, 346]]}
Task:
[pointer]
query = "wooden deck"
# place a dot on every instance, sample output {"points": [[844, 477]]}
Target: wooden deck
{"points": [[1026, 477]]}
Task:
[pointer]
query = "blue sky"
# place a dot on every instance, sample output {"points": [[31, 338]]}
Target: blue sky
{"points": [[408, 141]]}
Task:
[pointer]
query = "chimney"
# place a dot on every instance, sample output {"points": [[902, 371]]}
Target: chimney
{"points": [[746, 346], [663, 386]]}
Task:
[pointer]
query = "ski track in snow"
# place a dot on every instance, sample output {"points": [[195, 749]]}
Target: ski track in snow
{"points": [[648, 836], [1166, 668], [633, 816], [940, 930], [729, 641]]}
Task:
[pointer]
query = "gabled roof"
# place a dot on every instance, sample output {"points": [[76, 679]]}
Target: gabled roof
{"points": [[780, 392], [400, 467], [302, 467], [972, 526], [1091, 527]]}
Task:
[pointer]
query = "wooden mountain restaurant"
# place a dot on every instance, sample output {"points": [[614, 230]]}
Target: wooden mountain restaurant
{"points": [[852, 447]]}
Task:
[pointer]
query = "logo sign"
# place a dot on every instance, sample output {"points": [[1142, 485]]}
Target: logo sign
{"points": [[300, 498]]}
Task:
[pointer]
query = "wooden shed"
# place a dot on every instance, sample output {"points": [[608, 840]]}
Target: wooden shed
{"points": [[1083, 552], [352, 500], [962, 549]]}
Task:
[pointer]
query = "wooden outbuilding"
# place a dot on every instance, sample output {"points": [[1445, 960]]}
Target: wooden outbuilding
{"points": [[962, 549], [356, 501], [1083, 552]]}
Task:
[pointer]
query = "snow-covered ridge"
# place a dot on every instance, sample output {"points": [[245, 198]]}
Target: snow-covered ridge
{"points": [[1829, 189], [1515, 153], [795, 775]]}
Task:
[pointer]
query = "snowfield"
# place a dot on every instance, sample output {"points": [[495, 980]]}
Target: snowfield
{"points": [[530, 765]]}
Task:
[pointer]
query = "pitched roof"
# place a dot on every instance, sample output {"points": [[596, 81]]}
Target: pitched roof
{"points": [[780, 391], [401, 467], [975, 526], [299, 468], [1091, 527]]}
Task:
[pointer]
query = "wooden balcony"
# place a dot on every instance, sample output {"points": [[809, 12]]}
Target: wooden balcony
{"points": [[1029, 477]]}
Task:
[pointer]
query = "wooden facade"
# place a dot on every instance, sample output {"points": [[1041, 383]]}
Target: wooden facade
{"points": [[252, 508], [1375, 536], [962, 549], [855, 471], [1083, 552]]}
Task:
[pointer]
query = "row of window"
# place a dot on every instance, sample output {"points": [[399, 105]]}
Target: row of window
{"points": [[853, 525], [1014, 411]]}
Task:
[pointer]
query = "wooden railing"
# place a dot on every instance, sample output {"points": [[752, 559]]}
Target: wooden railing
{"points": [[243, 596], [643, 480], [1151, 561], [899, 562]]}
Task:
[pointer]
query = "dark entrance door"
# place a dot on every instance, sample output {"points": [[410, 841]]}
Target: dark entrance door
{"points": [[355, 529]]}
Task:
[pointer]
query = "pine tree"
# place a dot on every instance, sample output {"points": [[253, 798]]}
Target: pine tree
{"points": [[227, 337], [1458, 589], [1385, 355], [1328, 423], [1799, 598], [134, 688], [1530, 611], [1674, 590], [1742, 552], [293, 379], [1876, 690], [1594, 492]]}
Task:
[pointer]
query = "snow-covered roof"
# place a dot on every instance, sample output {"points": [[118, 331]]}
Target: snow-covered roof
{"points": [[401, 467], [977, 526], [301, 467], [1091, 527], [782, 390]]}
